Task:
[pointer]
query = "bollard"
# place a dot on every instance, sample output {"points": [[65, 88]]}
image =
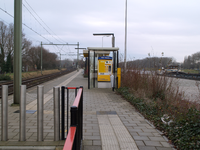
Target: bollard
{"points": [[4, 113], [119, 77], [22, 114], [56, 98], [40, 101]]}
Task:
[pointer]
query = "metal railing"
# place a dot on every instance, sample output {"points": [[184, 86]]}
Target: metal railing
{"points": [[63, 109], [22, 113], [75, 134]]}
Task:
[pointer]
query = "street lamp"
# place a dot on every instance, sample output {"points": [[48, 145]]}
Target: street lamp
{"points": [[103, 37], [107, 34]]}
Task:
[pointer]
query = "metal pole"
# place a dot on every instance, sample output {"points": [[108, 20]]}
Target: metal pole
{"points": [[67, 110], [17, 49], [94, 71], [41, 58], [113, 40], [81, 107], [40, 101], [56, 98], [88, 69], [77, 55], [76, 91], [117, 59], [125, 35], [114, 55], [62, 112], [4, 113], [60, 61], [22, 115]]}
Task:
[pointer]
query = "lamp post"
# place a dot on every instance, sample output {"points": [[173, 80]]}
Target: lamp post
{"points": [[107, 34], [103, 37]]}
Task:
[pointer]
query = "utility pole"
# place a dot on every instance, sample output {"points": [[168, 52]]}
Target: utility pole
{"points": [[17, 49], [125, 35], [41, 58]]}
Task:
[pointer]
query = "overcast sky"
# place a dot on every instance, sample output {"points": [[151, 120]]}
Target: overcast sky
{"points": [[154, 26]]}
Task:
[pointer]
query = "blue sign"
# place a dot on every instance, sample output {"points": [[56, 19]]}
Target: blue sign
{"points": [[105, 57]]}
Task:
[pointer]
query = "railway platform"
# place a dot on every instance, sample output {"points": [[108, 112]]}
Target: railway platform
{"points": [[109, 121]]}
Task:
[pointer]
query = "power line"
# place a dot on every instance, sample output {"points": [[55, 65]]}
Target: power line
{"points": [[6, 12], [36, 32], [26, 26], [44, 22], [39, 22], [26, 35]]}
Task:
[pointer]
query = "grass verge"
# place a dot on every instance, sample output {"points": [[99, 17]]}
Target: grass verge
{"points": [[32, 74]]}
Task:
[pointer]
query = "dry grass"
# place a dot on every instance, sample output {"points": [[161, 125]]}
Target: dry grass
{"points": [[158, 89], [158, 96], [26, 75]]}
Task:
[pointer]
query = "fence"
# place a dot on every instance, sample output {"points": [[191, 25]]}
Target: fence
{"points": [[75, 134], [22, 113], [76, 128]]}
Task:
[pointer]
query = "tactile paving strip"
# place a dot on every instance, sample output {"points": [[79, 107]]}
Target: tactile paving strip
{"points": [[114, 134], [106, 113]]}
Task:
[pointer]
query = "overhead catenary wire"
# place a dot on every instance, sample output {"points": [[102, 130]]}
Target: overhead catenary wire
{"points": [[33, 39], [38, 20], [44, 22], [27, 26], [31, 28], [40, 23]]}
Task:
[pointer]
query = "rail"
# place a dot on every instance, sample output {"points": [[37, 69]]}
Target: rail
{"points": [[184, 75], [75, 135], [34, 81]]}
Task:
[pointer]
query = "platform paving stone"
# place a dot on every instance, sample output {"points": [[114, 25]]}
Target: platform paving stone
{"points": [[141, 132]]}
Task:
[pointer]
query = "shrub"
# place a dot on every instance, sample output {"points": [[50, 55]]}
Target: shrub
{"points": [[157, 96], [184, 131], [4, 77]]}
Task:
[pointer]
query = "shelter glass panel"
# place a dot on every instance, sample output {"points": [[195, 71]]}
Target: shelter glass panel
{"points": [[91, 71]]}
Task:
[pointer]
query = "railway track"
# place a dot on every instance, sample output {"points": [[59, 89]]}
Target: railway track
{"points": [[34, 81], [183, 75]]}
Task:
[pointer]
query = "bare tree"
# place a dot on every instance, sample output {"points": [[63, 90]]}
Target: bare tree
{"points": [[3, 42], [7, 46], [32, 58]]}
